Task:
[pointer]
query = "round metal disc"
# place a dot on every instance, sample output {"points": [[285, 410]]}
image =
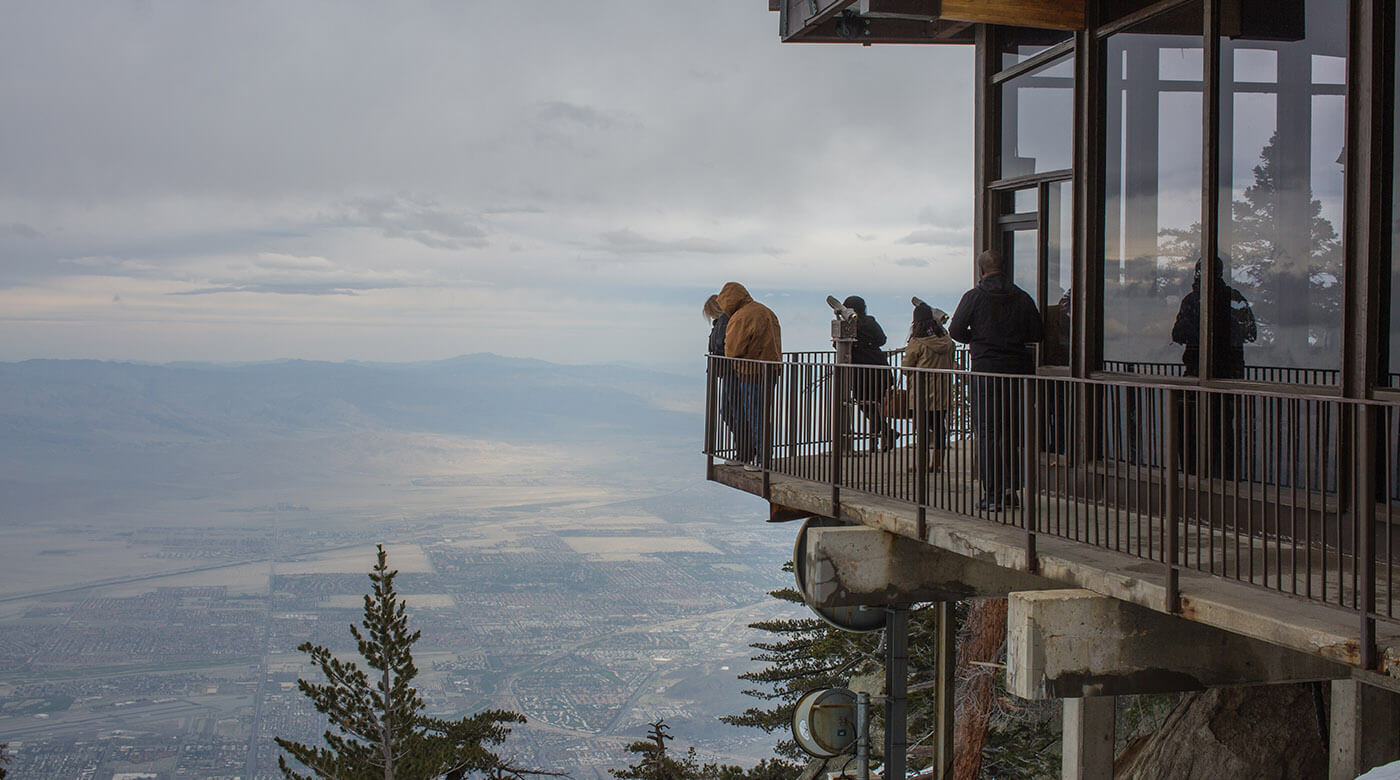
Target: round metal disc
{"points": [[860, 620], [824, 722]]}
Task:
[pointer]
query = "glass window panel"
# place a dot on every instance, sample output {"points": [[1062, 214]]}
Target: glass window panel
{"points": [[1260, 65], [1152, 192], [1018, 44], [1282, 207], [1025, 201], [1180, 64], [1059, 273], [1021, 246], [1037, 120], [1329, 70]]}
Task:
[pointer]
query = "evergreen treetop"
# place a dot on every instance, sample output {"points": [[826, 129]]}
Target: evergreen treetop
{"points": [[378, 728]]}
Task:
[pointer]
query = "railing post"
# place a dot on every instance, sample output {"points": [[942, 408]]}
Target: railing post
{"points": [[711, 372], [767, 375], [1171, 505], [1364, 511], [1030, 450], [918, 409], [793, 375], [838, 392]]}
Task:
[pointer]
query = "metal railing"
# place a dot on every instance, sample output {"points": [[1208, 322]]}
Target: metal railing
{"points": [[1293, 493], [1280, 375]]}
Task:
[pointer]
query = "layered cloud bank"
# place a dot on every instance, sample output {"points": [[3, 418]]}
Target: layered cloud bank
{"points": [[353, 181]]}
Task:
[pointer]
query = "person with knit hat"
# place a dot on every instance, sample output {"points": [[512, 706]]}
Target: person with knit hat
{"points": [[868, 386], [930, 346]]}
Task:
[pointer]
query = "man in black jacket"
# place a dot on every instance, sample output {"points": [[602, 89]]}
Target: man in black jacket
{"points": [[998, 321]]}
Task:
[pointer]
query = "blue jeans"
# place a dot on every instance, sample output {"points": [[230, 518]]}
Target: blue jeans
{"points": [[753, 396]]}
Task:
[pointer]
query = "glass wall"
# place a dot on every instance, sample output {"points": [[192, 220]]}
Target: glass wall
{"points": [[1037, 120], [1391, 371], [1059, 272], [1282, 195], [1152, 193]]}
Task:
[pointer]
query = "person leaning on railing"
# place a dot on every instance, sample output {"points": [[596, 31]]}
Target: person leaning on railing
{"points": [[753, 333], [997, 320], [930, 346]]}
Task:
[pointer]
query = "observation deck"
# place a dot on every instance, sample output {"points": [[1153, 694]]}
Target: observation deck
{"points": [[1267, 514]]}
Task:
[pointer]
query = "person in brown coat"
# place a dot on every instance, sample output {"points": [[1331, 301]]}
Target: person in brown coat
{"points": [[753, 333], [930, 346]]}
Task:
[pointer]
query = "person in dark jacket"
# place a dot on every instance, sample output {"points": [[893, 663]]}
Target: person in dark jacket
{"points": [[1232, 326], [997, 320], [868, 386], [726, 396]]}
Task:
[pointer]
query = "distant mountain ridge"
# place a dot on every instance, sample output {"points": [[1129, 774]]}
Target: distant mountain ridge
{"points": [[60, 402]]}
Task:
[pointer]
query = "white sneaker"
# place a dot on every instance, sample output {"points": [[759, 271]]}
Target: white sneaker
{"points": [[752, 467]]}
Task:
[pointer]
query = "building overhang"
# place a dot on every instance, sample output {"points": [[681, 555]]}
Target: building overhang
{"points": [[916, 21]]}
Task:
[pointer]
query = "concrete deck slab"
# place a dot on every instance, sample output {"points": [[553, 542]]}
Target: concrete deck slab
{"points": [[1236, 606]]}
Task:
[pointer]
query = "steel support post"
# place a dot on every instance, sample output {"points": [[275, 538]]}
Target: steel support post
{"points": [[943, 669], [863, 736], [896, 684], [1364, 509], [1030, 448], [1171, 509]]}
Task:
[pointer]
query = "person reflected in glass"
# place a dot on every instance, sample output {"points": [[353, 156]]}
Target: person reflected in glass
{"points": [[1231, 326], [868, 385], [725, 386], [930, 346], [998, 321], [752, 335]]}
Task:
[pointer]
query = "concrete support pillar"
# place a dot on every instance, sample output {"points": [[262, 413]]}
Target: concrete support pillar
{"points": [[1087, 753], [1365, 728], [1067, 643]]}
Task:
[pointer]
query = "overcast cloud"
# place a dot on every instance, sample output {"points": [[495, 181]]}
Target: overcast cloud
{"points": [[568, 181]]}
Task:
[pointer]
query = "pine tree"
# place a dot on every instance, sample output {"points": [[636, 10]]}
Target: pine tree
{"points": [[379, 729], [655, 762]]}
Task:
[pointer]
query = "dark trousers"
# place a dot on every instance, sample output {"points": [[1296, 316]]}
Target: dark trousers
{"points": [[937, 429], [1218, 449], [753, 397], [996, 420], [868, 385]]}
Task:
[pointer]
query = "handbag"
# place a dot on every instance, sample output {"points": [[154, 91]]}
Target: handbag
{"points": [[896, 403]]}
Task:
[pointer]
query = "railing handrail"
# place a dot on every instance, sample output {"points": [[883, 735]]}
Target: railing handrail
{"points": [[1126, 380]]}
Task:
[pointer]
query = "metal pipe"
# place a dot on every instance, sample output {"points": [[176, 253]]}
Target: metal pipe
{"points": [[863, 735]]}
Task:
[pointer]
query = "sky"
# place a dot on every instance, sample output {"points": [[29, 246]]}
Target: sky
{"points": [[413, 181]]}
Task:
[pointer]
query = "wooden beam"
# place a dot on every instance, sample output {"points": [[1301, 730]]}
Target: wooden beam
{"points": [[889, 31], [1052, 14], [926, 10]]}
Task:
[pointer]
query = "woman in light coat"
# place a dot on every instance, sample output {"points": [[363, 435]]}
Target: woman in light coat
{"points": [[930, 346]]}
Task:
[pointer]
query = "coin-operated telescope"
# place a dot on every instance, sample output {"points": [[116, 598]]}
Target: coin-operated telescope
{"points": [[843, 329]]}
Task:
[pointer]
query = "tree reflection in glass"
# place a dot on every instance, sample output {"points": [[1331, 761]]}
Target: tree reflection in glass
{"points": [[1152, 188], [1282, 187]]}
